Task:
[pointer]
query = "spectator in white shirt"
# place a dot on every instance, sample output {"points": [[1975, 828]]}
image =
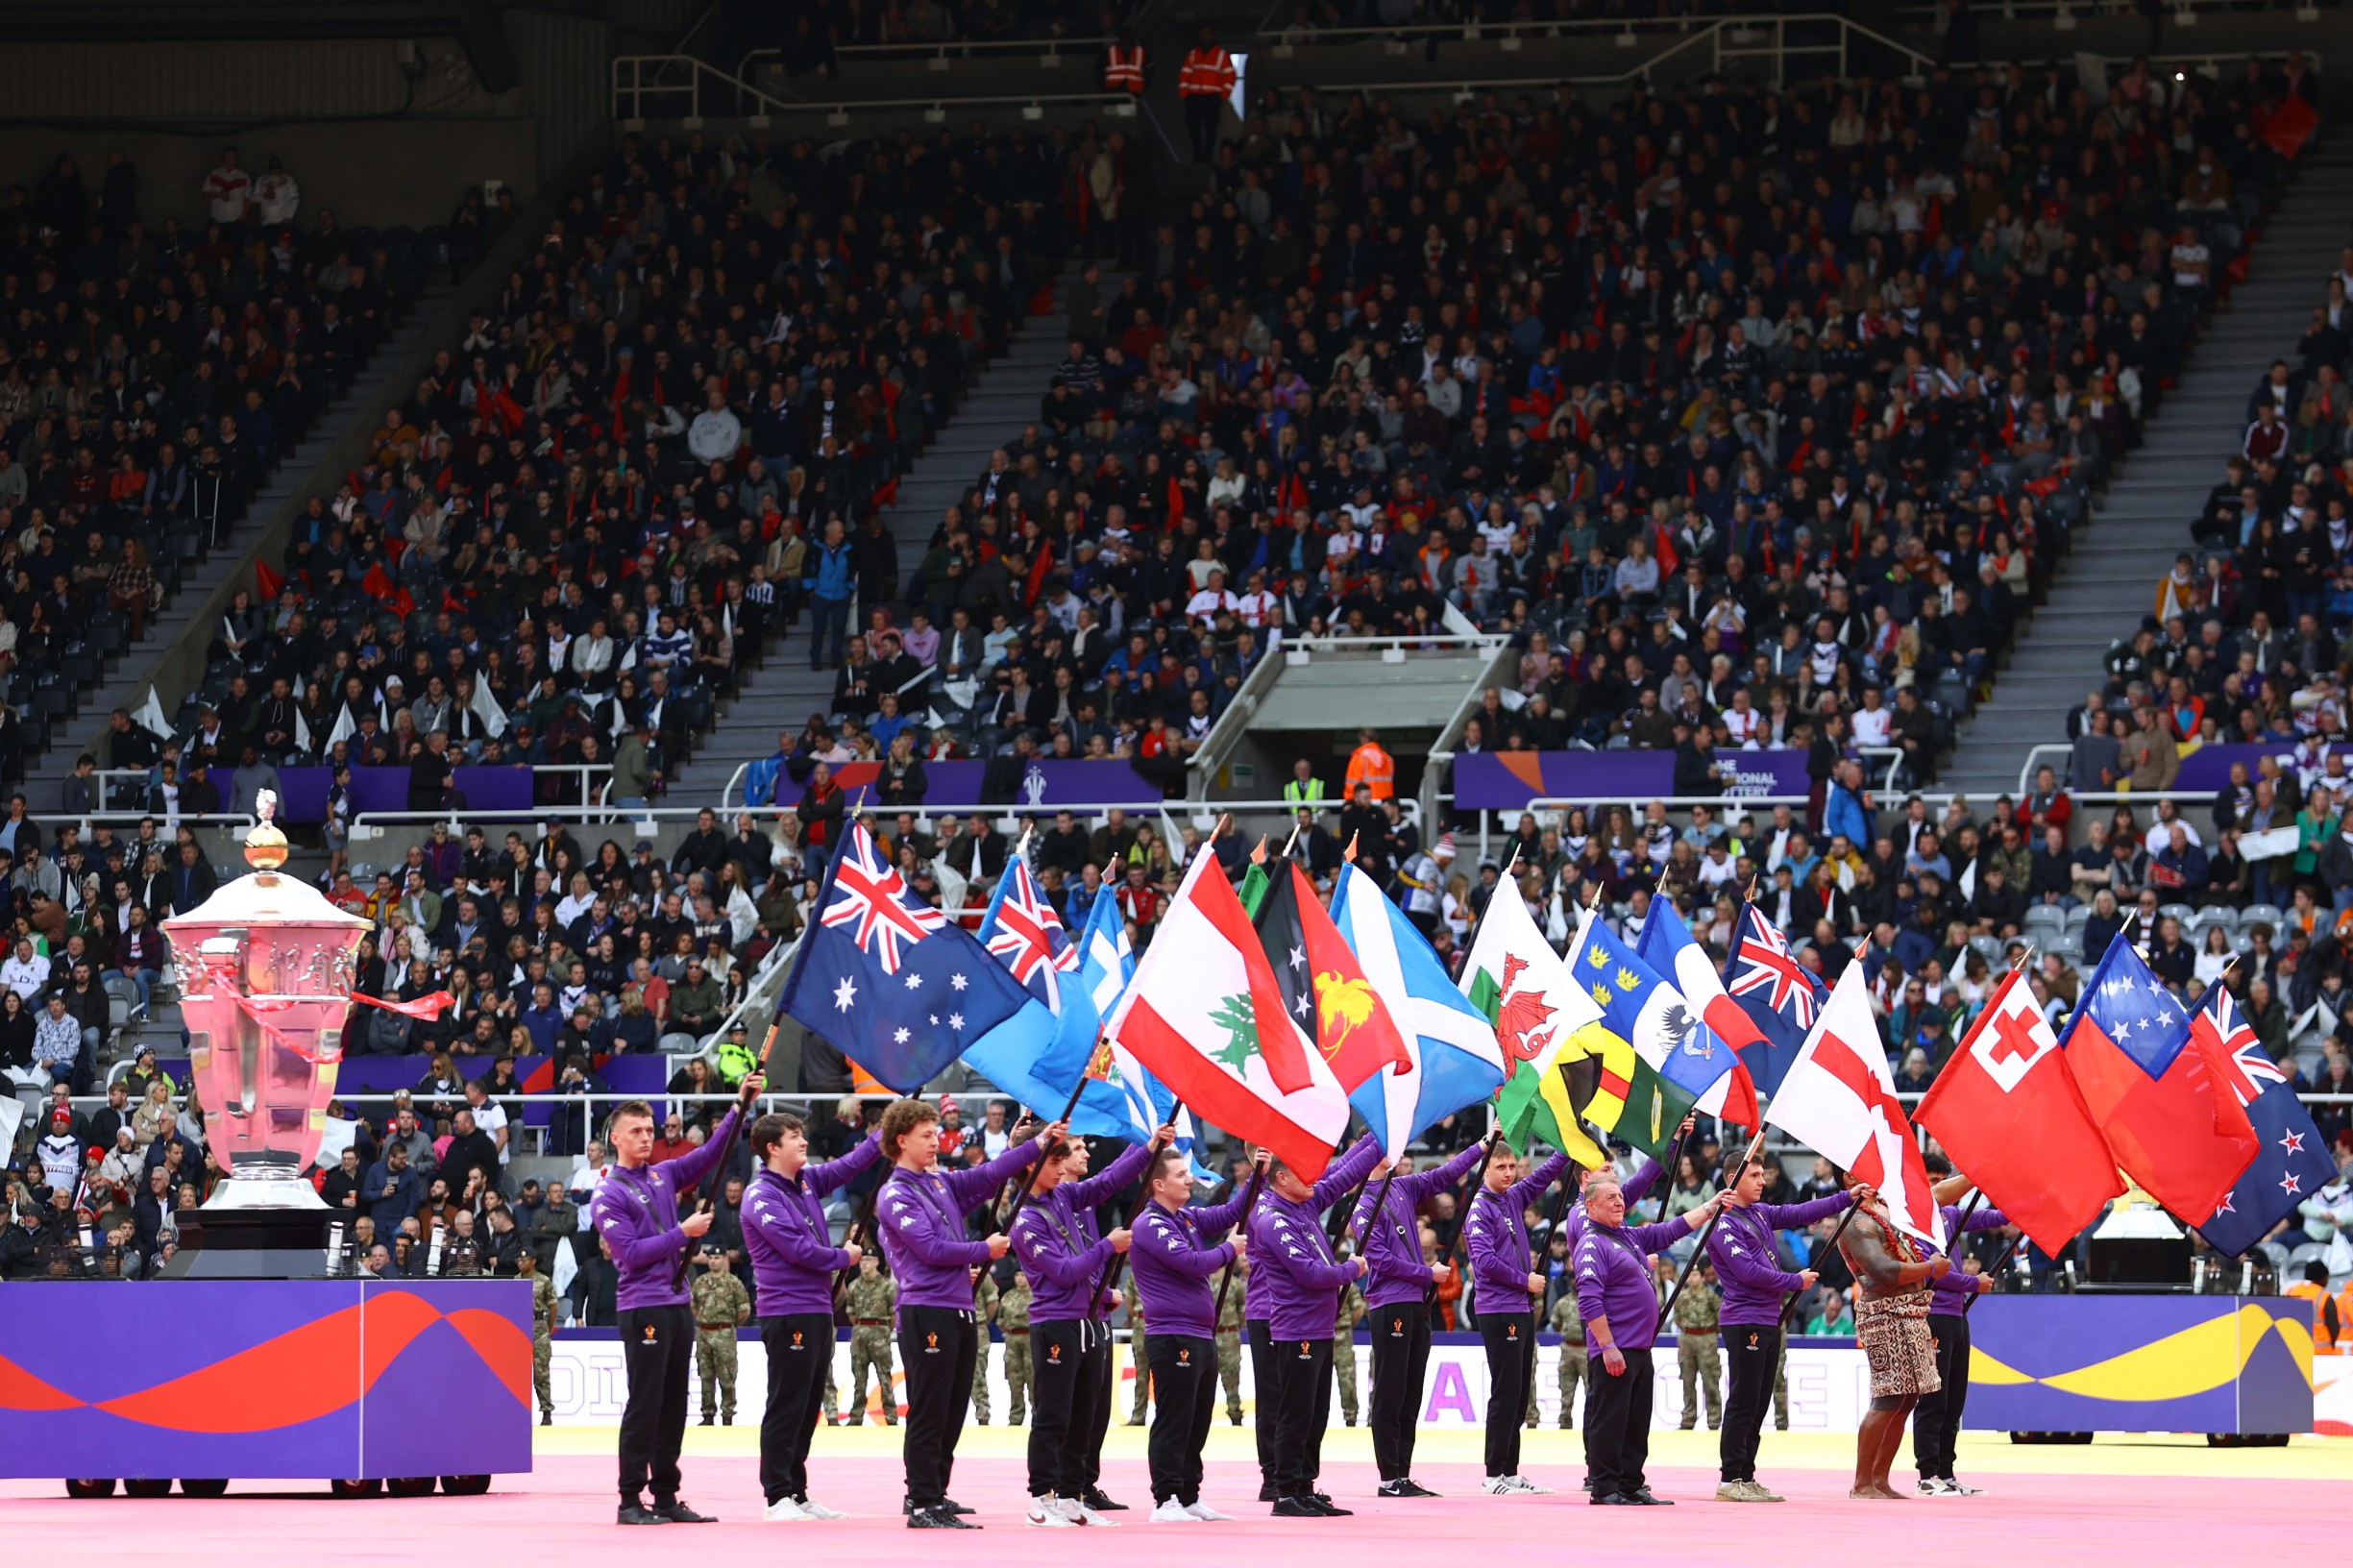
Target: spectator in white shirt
{"points": [[276, 197], [27, 973], [1871, 721], [1212, 598], [229, 189], [489, 1116]]}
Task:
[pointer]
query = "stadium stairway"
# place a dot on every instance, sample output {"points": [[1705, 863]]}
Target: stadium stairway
{"points": [[2109, 580], [778, 697], [126, 685]]}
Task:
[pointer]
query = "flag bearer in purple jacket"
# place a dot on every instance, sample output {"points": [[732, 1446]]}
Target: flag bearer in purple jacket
{"points": [[1296, 1279], [1755, 1291], [1067, 1255], [1620, 1308], [636, 1214], [1506, 1289], [1936, 1420], [1396, 1308], [1176, 1253], [788, 1243], [919, 1216]]}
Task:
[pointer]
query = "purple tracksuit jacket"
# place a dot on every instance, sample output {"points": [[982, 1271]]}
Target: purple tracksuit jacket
{"points": [[920, 1221], [637, 1213], [1636, 1188], [1741, 1247], [1173, 1255], [1946, 1295], [1613, 1280], [1061, 1244], [1391, 1243], [786, 1237], [1340, 1178], [1498, 1229]]}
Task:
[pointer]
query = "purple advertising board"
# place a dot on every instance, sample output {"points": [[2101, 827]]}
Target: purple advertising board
{"points": [[266, 1379], [1507, 780], [2141, 1363]]}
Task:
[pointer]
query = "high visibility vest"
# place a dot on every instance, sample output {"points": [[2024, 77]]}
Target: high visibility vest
{"points": [[1369, 765], [1297, 793], [1123, 69], [1208, 71], [2317, 1294]]}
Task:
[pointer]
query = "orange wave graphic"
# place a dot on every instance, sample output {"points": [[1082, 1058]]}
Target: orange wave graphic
{"points": [[296, 1376]]}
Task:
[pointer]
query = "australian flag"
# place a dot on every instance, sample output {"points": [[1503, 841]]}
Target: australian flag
{"points": [[894, 983], [2293, 1163], [1779, 994]]}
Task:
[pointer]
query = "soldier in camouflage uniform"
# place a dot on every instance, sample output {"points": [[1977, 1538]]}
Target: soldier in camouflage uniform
{"points": [[544, 1306], [1135, 1350], [721, 1306], [1013, 1317], [984, 1308], [1344, 1345], [1230, 1337], [1572, 1331], [873, 1297], [1695, 1348]]}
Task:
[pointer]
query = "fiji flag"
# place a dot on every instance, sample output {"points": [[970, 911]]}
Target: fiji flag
{"points": [[1053, 1045], [902, 990], [2169, 1119], [1454, 1059], [2294, 1162], [1779, 994]]}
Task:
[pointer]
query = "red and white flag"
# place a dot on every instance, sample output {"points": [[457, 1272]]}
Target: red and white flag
{"points": [[2007, 1110], [1205, 1015], [1839, 1099]]}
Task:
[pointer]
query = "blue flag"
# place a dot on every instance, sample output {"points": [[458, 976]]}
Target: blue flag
{"points": [[1779, 994], [894, 983], [2295, 1162], [1052, 1046]]}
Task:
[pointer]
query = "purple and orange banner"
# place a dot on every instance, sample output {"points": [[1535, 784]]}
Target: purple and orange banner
{"points": [[265, 1379], [1507, 780]]}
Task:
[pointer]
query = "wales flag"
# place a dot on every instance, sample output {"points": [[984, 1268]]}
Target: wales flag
{"points": [[1515, 979]]}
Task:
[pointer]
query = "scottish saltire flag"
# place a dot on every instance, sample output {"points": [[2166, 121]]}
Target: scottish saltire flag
{"points": [[2295, 1162], [1106, 964], [898, 986], [1052, 1046], [1666, 944], [1779, 994], [1454, 1059]]}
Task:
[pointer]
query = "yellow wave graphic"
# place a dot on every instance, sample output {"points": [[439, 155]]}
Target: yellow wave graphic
{"points": [[2192, 1360]]}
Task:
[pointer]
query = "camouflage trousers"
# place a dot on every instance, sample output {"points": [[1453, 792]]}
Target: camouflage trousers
{"points": [[1344, 1367], [543, 1350], [1020, 1382], [1703, 1365], [715, 1364], [1230, 1371], [870, 1350], [980, 1378], [1144, 1378], [1572, 1373]]}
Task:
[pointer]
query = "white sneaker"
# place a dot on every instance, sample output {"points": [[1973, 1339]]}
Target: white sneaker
{"points": [[818, 1510], [1530, 1488], [1085, 1515], [1046, 1512], [1962, 1488], [1207, 1514], [1173, 1512], [785, 1512], [1931, 1486], [1499, 1485]]}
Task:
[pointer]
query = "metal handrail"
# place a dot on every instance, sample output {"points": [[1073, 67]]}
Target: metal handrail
{"points": [[1235, 722], [1044, 49], [2065, 11], [632, 83], [1290, 35]]}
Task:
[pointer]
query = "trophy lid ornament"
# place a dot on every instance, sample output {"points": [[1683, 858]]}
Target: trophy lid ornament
{"points": [[265, 843]]}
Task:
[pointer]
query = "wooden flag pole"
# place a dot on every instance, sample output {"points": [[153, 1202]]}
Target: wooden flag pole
{"points": [[1700, 1251]]}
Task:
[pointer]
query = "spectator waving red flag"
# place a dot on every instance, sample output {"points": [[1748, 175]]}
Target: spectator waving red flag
{"points": [[2007, 1110], [2173, 1125], [1839, 1099]]}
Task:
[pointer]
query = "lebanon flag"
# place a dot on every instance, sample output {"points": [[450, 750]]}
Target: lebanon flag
{"points": [[1839, 1099], [2007, 1108], [1206, 1017], [1666, 944]]}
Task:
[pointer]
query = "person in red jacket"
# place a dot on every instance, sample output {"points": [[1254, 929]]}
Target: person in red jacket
{"points": [[1205, 84]]}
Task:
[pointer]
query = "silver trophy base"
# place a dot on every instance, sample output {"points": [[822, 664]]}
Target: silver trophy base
{"points": [[250, 1192]]}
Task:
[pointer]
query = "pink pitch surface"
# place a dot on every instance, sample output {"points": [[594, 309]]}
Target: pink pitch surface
{"points": [[566, 1507]]}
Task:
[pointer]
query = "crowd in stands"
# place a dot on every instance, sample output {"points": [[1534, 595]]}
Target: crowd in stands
{"points": [[153, 370]]}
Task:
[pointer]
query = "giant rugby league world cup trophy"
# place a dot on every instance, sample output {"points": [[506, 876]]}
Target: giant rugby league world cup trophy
{"points": [[264, 971]]}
